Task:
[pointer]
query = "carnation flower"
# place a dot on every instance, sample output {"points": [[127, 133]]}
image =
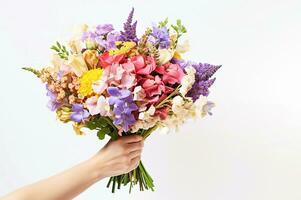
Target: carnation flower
{"points": [[86, 81]]}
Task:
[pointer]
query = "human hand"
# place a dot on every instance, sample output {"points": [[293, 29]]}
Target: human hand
{"points": [[120, 156]]}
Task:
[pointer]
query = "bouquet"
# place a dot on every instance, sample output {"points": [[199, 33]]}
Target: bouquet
{"points": [[117, 84]]}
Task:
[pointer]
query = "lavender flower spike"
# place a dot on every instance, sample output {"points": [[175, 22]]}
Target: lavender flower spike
{"points": [[202, 80], [129, 33]]}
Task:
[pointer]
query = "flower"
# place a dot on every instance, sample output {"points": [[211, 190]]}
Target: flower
{"points": [[86, 81], [172, 73], [129, 32], [79, 114], [75, 43], [165, 55], [123, 103], [106, 59], [98, 105], [144, 66], [146, 120], [53, 104], [123, 48], [63, 114], [183, 47], [202, 80], [116, 74], [77, 63], [104, 29], [188, 80], [160, 36], [110, 41], [91, 58], [139, 93], [99, 36], [77, 128]]}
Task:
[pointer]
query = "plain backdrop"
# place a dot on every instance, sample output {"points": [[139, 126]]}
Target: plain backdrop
{"points": [[249, 149]]}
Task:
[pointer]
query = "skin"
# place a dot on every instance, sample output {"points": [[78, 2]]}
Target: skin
{"points": [[115, 158]]}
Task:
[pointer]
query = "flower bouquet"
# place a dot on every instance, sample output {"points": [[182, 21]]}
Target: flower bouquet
{"points": [[117, 84]]}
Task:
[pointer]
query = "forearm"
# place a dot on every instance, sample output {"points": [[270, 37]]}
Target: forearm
{"points": [[63, 186]]}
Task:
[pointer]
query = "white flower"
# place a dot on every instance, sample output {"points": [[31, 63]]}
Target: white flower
{"points": [[75, 42], [165, 55], [183, 47], [139, 93], [188, 80], [98, 105], [77, 63], [146, 120], [199, 106]]}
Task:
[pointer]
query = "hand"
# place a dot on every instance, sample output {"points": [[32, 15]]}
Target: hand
{"points": [[120, 156]]}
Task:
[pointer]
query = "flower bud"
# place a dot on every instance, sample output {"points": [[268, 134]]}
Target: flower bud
{"points": [[91, 58], [63, 114]]}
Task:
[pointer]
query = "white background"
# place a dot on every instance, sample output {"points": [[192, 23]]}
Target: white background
{"points": [[249, 149]]}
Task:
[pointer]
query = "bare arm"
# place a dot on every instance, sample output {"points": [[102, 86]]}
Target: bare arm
{"points": [[117, 157]]}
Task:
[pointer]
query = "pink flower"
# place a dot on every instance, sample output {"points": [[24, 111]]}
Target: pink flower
{"points": [[162, 112], [144, 66], [154, 88], [121, 75], [98, 105], [172, 73], [105, 59]]}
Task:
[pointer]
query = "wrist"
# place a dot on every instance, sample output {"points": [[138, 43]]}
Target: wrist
{"points": [[96, 169]]}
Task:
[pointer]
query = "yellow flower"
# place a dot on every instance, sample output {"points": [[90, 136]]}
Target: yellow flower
{"points": [[77, 128], [125, 47], [177, 56], [86, 81]]}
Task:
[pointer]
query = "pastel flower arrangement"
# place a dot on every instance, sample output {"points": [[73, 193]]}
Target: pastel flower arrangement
{"points": [[118, 84]]}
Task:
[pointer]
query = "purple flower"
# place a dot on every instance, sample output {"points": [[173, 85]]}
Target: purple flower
{"points": [[202, 79], [123, 103], [110, 40], [104, 29], [129, 32], [161, 36], [182, 63], [52, 104], [79, 114], [88, 35]]}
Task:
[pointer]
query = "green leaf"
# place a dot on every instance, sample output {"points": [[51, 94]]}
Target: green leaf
{"points": [[102, 132], [54, 48], [32, 70], [163, 23], [59, 45]]}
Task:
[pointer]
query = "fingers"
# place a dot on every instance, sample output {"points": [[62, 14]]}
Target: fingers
{"points": [[135, 154], [135, 146], [134, 163], [132, 138]]}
